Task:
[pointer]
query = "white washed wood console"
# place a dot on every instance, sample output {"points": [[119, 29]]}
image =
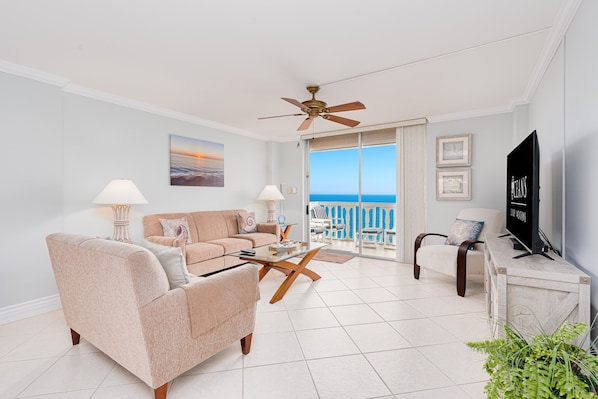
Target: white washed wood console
{"points": [[533, 292]]}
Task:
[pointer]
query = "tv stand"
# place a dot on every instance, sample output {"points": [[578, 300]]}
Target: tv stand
{"points": [[517, 245], [532, 293], [523, 255]]}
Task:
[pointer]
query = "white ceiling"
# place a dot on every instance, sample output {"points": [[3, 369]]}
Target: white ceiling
{"points": [[230, 61]]}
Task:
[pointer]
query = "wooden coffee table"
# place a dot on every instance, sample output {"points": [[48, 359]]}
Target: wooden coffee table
{"points": [[278, 260]]}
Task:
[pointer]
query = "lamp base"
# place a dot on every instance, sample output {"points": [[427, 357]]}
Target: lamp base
{"points": [[271, 211], [121, 223]]}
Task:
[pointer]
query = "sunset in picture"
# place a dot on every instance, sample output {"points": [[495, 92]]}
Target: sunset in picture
{"points": [[195, 162]]}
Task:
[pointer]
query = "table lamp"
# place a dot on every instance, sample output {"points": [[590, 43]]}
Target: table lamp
{"points": [[271, 194], [120, 193]]}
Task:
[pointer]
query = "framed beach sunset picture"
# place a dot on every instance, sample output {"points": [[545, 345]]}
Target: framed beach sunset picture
{"points": [[195, 162]]}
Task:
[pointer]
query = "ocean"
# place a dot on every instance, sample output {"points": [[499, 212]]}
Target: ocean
{"points": [[185, 165], [353, 198], [188, 170]]}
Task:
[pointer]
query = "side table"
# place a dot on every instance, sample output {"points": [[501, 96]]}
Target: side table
{"points": [[285, 229]]}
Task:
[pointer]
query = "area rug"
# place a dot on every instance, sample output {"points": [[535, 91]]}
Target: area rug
{"points": [[332, 257]]}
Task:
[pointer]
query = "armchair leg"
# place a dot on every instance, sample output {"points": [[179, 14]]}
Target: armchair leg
{"points": [[160, 392], [461, 270], [416, 267], [75, 337], [246, 344]]}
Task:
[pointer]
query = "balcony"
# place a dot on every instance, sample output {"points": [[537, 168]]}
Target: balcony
{"points": [[380, 216]]}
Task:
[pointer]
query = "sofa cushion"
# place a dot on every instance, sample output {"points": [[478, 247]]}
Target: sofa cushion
{"points": [[210, 225], [258, 239], [173, 262], [246, 222], [231, 245], [444, 259], [464, 230], [272, 228], [201, 251], [178, 228]]}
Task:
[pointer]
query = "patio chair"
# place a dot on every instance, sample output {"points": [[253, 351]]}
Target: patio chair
{"points": [[316, 233], [332, 226]]}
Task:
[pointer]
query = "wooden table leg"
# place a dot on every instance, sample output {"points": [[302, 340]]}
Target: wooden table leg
{"points": [[285, 233], [296, 269], [263, 271]]}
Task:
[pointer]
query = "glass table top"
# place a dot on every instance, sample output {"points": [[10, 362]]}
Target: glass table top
{"points": [[280, 251]]}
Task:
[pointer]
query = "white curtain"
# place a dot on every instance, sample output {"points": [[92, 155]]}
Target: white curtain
{"points": [[411, 184]]}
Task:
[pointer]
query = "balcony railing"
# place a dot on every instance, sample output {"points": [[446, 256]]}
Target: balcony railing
{"points": [[380, 215]]}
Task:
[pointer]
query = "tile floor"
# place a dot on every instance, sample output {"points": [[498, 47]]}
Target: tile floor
{"points": [[367, 329]]}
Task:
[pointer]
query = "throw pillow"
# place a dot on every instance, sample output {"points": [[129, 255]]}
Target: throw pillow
{"points": [[463, 230], [173, 262], [178, 228], [246, 222]]}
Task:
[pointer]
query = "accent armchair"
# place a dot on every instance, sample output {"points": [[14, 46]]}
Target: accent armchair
{"points": [[117, 296], [464, 255]]}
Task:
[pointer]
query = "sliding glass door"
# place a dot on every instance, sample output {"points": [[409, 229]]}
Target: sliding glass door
{"points": [[352, 192], [377, 234]]}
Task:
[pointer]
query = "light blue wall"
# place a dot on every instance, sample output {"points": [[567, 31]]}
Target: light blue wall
{"points": [[563, 110], [581, 142], [547, 118], [491, 141], [31, 165], [105, 141], [290, 165], [60, 150]]}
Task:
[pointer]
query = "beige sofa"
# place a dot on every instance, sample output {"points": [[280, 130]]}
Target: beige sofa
{"points": [[117, 297], [213, 235]]}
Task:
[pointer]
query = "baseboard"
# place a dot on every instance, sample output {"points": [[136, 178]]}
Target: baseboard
{"points": [[29, 309]]}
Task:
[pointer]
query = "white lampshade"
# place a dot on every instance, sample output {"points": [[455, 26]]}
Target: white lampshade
{"points": [[270, 193], [120, 191]]}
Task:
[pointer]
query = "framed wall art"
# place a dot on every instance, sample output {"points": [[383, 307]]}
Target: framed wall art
{"points": [[453, 184], [195, 162], [453, 151]]}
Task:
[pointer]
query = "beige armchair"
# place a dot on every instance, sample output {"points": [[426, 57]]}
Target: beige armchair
{"points": [[464, 257], [117, 297]]}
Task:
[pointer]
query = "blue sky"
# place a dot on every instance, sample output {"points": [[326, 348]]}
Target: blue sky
{"points": [[336, 172]]}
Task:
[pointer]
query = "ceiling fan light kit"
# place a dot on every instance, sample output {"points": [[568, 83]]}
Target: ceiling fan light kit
{"points": [[314, 108]]}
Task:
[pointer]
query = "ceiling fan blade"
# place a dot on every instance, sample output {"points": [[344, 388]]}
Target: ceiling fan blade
{"points": [[342, 121], [279, 116], [346, 107], [294, 102], [306, 123]]}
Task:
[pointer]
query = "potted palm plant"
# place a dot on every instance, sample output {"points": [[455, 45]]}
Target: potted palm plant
{"points": [[545, 366]]}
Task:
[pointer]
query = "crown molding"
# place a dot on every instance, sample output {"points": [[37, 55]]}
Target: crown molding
{"points": [[33, 74], [141, 106], [557, 33], [68, 87], [471, 114]]}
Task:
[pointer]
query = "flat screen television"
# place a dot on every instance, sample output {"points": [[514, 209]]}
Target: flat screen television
{"points": [[523, 194]]}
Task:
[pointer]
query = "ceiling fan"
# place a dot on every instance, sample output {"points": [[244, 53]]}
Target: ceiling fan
{"points": [[314, 108]]}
